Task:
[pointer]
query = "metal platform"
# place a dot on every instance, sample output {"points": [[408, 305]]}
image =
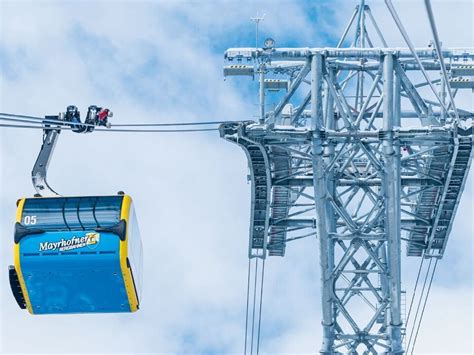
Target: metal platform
{"points": [[437, 205]]}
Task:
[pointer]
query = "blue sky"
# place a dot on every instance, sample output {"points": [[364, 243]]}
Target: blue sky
{"points": [[161, 61]]}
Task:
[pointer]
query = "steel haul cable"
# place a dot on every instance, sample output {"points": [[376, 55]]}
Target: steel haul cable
{"points": [[423, 299], [39, 120], [424, 306], [418, 305], [42, 121], [247, 311], [114, 130], [414, 292], [260, 307], [254, 303], [254, 321]]}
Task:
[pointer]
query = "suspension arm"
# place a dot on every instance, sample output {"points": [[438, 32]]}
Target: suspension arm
{"points": [[40, 169]]}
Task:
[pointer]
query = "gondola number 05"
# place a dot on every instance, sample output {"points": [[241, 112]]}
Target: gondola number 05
{"points": [[29, 220]]}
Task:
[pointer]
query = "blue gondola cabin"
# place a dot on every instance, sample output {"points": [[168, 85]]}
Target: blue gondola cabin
{"points": [[76, 255]]}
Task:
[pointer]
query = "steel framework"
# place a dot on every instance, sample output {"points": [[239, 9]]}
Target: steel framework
{"points": [[354, 151]]}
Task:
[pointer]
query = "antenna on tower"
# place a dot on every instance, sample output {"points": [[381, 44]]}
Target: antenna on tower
{"points": [[257, 20]]}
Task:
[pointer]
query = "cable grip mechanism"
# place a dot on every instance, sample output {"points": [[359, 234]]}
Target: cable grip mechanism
{"points": [[96, 116]]}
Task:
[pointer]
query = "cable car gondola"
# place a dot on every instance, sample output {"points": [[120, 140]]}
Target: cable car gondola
{"points": [[75, 254]]}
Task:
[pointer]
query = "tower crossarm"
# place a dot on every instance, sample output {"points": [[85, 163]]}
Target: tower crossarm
{"points": [[260, 178], [271, 165], [430, 195], [288, 54]]}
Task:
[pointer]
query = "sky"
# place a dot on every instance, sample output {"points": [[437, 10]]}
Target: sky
{"points": [[161, 61]]}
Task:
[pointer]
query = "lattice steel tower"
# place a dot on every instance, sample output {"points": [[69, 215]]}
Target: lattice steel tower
{"points": [[358, 154]]}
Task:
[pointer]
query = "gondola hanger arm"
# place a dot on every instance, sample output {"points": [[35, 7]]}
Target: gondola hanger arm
{"points": [[96, 116]]}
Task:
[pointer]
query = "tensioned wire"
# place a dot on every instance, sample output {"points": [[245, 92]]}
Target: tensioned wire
{"points": [[424, 307], [414, 292], [114, 130], [50, 120], [41, 123]]}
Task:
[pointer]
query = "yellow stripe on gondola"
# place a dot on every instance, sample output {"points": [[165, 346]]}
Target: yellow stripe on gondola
{"points": [[127, 274], [16, 256]]}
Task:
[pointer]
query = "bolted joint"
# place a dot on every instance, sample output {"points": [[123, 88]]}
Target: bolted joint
{"points": [[388, 139], [357, 242], [228, 129], [318, 148], [320, 134], [386, 135]]}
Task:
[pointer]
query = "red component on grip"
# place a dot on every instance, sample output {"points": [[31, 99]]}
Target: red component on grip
{"points": [[102, 115]]}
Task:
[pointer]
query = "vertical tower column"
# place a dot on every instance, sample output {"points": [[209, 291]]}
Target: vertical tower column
{"points": [[330, 123], [262, 93], [391, 184], [320, 196]]}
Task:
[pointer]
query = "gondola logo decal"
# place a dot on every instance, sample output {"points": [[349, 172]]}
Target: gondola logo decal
{"points": [[90, 240], [93, 240]]}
